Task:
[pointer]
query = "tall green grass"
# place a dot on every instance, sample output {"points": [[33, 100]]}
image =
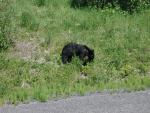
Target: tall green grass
{"points": [[6, 13], [28, 21]]}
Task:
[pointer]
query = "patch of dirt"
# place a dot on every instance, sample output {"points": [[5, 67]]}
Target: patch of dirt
{"points": [[32, 51], [28, 51]]}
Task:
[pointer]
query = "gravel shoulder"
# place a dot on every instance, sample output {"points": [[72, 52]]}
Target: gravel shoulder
{"points": [[134, 102]]}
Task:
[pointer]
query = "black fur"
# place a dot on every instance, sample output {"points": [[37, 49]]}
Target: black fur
{"points": [[71, 50]]}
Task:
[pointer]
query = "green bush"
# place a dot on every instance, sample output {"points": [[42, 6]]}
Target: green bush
{"points": [[133, 5], [125, 5], [5, 24]]}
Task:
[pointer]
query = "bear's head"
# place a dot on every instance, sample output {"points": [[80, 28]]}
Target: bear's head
{"points": [[88, 54]]}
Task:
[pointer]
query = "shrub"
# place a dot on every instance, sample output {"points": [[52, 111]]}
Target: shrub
{"points": [[129, 5], [5, 24], [125, 5]]}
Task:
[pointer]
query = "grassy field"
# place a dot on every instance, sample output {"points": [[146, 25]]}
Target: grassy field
{"points": [[32, 68]]}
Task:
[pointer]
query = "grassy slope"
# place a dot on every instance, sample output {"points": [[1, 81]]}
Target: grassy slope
{"points": [[121, 44]]}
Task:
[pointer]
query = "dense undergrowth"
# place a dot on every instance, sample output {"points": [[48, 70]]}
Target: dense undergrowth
{"points": [[121, 43], [130, 6], [5, 24]]}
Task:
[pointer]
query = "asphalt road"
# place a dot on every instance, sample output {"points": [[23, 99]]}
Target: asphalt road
{"points": [[137, 102]]}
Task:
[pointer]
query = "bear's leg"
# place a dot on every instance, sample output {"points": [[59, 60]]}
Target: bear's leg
{"points": [[66, 59], [84, 58]]}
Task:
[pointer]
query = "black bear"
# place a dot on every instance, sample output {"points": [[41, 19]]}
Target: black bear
{"points": [[71, 50]]}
